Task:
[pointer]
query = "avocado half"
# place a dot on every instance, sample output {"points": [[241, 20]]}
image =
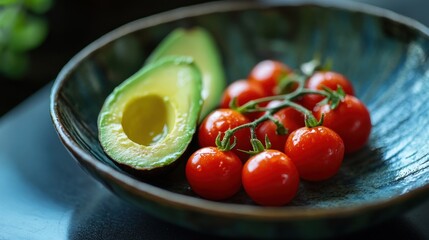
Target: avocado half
{"points": [[197, 43], [148, 121]]}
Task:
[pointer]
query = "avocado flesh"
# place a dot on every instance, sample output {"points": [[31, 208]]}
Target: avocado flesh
{"points": [[148, 121], [198, 44]]}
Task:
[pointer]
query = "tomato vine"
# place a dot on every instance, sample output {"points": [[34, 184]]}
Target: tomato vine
{"points": [[330, 97], [298, 129]]}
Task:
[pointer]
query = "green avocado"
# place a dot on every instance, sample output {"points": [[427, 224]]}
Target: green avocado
{"points": [[198, 44], [148, 120]]}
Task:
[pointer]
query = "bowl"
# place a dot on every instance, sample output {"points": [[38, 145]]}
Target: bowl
{"points": [[385, 56]]}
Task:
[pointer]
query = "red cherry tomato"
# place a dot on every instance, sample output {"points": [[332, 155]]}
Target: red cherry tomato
{"points": [[291, 120], [268, 73], [327, 79], [316, 152], [214, 174], [221, 120], [270, 104], [244, 91], [351, 120], [270, 178]]}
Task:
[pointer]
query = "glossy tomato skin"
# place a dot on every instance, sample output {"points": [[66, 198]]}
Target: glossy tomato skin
{"points": [[270, 104], [268, 73], [270, 178], [243, 91], [291, 120], [214, 174], [327, 79], [351, 120], [316, 152], [221, 120]]}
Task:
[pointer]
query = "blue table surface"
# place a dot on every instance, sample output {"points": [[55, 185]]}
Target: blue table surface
{"points": [[44, 194]]}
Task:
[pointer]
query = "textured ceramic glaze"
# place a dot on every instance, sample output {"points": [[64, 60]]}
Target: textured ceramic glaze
{"points": [[383, 54]]}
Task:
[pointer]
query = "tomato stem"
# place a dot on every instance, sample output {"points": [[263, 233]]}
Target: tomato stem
{"points": [[286, 100]]}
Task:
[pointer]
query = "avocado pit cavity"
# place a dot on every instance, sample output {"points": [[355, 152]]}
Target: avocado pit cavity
{"points": [[148, 119]]}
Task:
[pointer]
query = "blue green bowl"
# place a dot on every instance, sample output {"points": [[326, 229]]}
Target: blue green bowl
{"points": [[385, 56]]}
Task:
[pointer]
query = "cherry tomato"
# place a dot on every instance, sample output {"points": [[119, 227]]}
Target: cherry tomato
{"points": [[327, 79], [214, 174], [270, 104], [291, 120], [244, 91], [270, 178], [221, 120], [273, 104], [316, 152], [268, 73], [351, 120]]}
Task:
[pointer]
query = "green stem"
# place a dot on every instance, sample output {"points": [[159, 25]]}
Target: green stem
{"points": [[286, 101], [310, 122]]}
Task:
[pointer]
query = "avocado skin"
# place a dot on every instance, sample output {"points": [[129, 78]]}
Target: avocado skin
{"points": [[198, 43], [134, 157]]}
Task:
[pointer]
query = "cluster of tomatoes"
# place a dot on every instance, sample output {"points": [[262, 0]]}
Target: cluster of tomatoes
{"points": [[295, 149]]}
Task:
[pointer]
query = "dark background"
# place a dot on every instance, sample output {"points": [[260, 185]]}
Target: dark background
{"points": [[74, 24]]}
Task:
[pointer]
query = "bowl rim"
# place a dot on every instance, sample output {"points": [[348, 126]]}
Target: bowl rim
{"points": [[190, 203]]}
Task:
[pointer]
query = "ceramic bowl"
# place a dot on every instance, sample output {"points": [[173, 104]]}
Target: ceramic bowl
{"points": [[385, 56]]}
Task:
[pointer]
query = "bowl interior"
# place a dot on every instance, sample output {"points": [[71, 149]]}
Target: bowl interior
{"points": [[386, 61]]}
